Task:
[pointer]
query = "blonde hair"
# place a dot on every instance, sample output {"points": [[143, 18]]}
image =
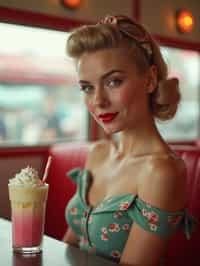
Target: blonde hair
{"points": [[90, 38]]}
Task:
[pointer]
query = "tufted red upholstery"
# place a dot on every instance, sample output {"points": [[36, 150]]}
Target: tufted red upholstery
{"points": [[61, 189], [183, 251], [65, 157]]}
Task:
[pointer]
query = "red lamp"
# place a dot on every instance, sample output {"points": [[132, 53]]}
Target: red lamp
{"points": [[72, 4], [184, 21]]}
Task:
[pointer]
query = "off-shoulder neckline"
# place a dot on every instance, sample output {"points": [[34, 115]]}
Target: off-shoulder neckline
{"points": [[125, 195]]}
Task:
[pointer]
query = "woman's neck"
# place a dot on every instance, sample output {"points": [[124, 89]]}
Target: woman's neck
{"points": [[139, 141]]}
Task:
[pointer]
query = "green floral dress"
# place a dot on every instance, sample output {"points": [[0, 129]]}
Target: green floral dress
{"points": [[104, 230]]}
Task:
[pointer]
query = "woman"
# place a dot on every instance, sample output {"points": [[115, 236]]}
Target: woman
{"points": [[131, 194]]}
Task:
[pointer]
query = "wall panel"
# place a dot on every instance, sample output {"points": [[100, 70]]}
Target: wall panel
{"points": [[91, 10], [159, 18]]}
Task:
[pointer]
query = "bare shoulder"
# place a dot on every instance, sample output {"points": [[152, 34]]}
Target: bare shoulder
{"points": [[170, 165], [97, 152], [165, 187]]}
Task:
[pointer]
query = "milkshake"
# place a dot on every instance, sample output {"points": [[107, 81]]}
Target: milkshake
{"points": [[28, 196]]}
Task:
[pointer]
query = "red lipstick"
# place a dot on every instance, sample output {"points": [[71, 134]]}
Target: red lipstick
{"points": [[108, 117]]}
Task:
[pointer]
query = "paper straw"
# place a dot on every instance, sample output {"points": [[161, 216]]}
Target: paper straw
{"points": [[46, 171]]}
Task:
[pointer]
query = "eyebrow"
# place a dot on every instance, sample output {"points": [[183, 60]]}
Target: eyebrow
{"points": [[104, 75]]}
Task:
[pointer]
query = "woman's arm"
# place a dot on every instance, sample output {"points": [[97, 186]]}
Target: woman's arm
{"points": [[70, 238], [164, 190]]}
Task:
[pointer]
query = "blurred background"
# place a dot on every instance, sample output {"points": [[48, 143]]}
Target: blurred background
{"points": [[40, 101]]}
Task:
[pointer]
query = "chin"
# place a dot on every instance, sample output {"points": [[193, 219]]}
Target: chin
{"points": [[112, 130]]}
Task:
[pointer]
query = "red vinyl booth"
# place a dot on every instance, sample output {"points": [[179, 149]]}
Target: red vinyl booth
{"points": [[61, 189], [183, 251]]}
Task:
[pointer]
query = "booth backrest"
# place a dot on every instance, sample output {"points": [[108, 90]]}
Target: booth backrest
{"points": [[183, 251], [61, 189]]}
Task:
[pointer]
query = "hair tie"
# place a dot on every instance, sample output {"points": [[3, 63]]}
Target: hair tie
{"points": [[133, 30]]}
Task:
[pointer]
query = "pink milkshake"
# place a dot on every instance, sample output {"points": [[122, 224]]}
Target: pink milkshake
{"points": [[28, 196]]}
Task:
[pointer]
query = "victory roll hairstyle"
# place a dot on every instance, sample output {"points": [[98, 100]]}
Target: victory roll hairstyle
{"points": [[120, 32]]}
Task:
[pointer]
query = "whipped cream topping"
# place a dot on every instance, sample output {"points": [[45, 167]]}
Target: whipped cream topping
{"points": [[26, 177]]}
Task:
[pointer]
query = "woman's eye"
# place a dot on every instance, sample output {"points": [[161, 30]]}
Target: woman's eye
{"points": [[86, 88], [114, 83]]}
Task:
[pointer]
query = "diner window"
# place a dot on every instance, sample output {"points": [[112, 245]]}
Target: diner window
{"points": [[185, 65], [40, 101]]}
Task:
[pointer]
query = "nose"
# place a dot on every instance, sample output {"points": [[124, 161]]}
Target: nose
{"points": [[101, 98]]}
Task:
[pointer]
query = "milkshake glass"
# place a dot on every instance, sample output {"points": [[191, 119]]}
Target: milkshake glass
{"points": [[28, 197]]}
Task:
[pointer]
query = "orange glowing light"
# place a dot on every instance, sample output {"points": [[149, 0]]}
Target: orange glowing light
{"points": [[185, 21], [72, 3]]}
